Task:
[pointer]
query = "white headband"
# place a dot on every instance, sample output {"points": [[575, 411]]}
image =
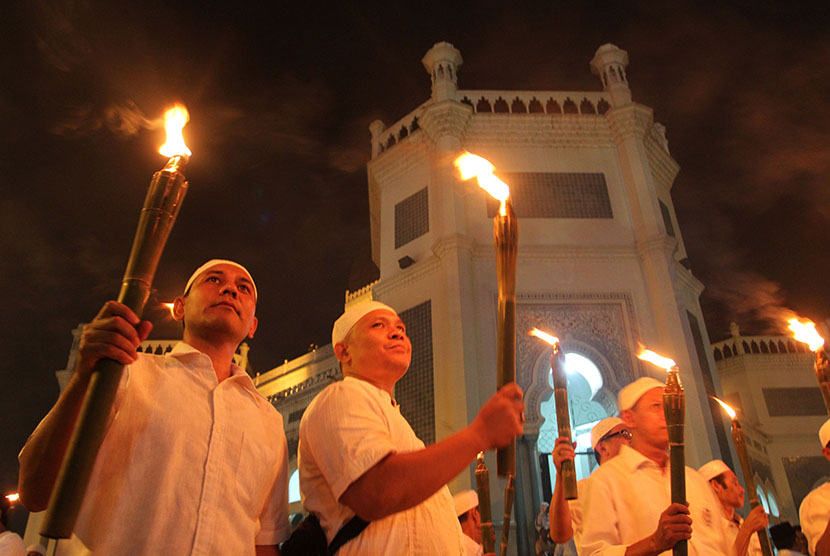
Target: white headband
{"points": [[210, 264]]}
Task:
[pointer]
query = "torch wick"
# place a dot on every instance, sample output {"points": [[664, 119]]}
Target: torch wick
{"points": [[176, 163]]}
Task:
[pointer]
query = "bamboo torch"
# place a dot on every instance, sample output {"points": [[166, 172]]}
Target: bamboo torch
{"points": [[674, 406], [506, 237], [488, 536], [805, 331], [161, 206], [563, 416], [739, 440]]}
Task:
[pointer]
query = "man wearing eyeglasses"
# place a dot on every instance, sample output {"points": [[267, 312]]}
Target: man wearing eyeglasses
{"points": [[628, 509], [607, 437]]}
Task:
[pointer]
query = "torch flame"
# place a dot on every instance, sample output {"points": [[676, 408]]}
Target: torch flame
{"points": [[659, 360], [169, 306], [805, 331], [726, 407], [474, 166], [13, 497], [174, 121], [544, 336]]}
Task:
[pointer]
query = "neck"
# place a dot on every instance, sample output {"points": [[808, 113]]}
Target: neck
{"points": [[656, 454], [728, 511], [221, 354], [388, 388]]}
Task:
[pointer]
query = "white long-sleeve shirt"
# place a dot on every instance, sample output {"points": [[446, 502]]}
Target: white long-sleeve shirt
{"points": [[626, 498]]}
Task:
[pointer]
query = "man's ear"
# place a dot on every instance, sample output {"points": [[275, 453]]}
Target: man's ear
{"points": [[178, 309], [254, 324], [341, 351], [628, 416], [826, 452]]}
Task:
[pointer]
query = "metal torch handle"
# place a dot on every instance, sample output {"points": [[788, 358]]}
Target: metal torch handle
{"points": [[506, 373], [161, 207], [678, 488], [508, 511]]}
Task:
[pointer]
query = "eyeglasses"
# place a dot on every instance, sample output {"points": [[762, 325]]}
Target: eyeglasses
{"points": [[625, 433]]}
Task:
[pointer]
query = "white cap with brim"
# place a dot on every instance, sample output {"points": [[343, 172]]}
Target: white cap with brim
{"points": [[824, 433], [714, 468], [214, 262], [348, 319], [465, 501], [602, 428], [632, 393]]}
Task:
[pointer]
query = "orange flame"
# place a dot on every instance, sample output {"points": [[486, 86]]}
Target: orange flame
{"points": [[169, 306], [805, 331], [13, 497], [544, 336], [474, 166], [659, 360], [726, 407], [174, 121]]}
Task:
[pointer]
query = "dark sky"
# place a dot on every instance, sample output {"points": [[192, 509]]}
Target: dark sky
{"points": [[280, 99]]}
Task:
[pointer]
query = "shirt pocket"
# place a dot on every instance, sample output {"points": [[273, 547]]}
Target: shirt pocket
{"points": [[256, 471]]}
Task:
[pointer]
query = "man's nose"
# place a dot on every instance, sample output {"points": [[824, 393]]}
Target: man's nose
{"points": [[229, 289]]}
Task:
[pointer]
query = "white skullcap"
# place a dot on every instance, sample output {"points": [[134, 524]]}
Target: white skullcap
{"points": [[602, 428], [713, 469], [348, 319], [824, 433], [37, 549], [465, 501], [631, 394], [210, 264]]}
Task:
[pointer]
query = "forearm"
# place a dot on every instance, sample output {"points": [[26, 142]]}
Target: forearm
{"points": [[265, 550], [741, 544], [402, 481], [823, 544], [561, 529], [43, 453], [645, 547]]}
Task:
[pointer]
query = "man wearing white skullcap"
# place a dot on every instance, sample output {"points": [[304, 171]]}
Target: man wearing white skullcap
{"points": [[193, 441], [814, 513], [466, 508], [359, 456], [628, 508], [730, 494], [607, 437]]}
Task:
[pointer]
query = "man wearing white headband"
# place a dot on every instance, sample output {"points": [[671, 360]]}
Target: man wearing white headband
{"points": [[814, 513], [359, 456], [628, 509], [195, 459], [730, 494], [607, 438]]}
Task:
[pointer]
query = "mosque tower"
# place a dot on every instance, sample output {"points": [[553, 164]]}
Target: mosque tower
{"points": [[601, 264]]}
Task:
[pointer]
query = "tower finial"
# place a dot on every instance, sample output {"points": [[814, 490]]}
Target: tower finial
{"points": [[609, 63], [441, 62]]}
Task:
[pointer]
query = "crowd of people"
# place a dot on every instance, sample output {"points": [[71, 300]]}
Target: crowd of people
{"points": [[195, 459]]}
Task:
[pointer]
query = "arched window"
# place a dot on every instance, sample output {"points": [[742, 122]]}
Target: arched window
{"points": [[773, 504], [584, 383], [763, 498], [294, 487]]}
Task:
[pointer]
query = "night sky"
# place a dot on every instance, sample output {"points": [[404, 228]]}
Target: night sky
{"points": [[280, 100]]}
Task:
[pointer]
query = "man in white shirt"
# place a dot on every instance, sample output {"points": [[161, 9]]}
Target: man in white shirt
{"points": [[607, 438], [730, 494], [359, 456], [814, 513], [195, 459], [466, 508], [629, 509]]}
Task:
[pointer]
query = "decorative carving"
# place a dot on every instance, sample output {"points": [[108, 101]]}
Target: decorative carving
{"points": [[446, 118], [600, 327]]}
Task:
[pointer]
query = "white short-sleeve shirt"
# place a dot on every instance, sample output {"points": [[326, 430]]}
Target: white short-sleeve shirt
{"points": [[188, 465], [348, 428], [814, 514]]}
